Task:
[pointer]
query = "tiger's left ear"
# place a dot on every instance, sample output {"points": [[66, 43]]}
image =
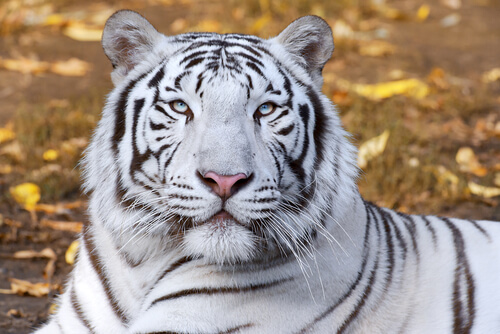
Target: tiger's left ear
{"points": [[310, 40], [128, 39]]}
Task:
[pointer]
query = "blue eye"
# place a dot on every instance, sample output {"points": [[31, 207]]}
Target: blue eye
{"points": [[266, 108], [179, 106]]}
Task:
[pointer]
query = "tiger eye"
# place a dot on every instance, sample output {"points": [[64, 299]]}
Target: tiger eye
{"points": [[179, 106], [266, 109]]}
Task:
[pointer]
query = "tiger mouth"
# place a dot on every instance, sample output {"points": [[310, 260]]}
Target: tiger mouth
{"points": [[221, 219]]}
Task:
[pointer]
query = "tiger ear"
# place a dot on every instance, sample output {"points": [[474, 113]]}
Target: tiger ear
{"points": [[127, 39], [310, 40]]}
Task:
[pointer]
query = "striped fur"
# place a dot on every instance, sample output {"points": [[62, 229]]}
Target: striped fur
{"points": [[302, 252]]}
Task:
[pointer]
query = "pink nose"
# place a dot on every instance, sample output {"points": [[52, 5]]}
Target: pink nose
{"points": [[223, 185]]}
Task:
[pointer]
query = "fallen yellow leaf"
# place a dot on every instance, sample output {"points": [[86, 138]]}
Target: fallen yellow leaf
{"points": [[486, 192], [438, 77], [376, 49], [179, 24], [47, 253], [451, 20], [81, 32], [342, 30], [30, 254], [72, 67], [74, 145], [49, 269], [491, 75], [393, 13], [447, 179], [55, 20], [16, 313], [62, 225], [50, 155], [6, 135], [468, 162], [496, 180], [423, 12], [27, 194], [452, 4], [22, 287], [14, 150], [25, 65], [53, 308], [71, 252], [409, 87], [372, 148]]}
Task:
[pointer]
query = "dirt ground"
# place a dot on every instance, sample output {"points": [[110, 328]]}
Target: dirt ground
{"points": [[466, 50]]}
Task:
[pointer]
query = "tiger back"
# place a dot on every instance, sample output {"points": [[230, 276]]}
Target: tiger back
{"points": [[223, 199]]}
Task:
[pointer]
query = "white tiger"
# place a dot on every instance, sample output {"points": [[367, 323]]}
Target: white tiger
{"points": [[223, 199]]}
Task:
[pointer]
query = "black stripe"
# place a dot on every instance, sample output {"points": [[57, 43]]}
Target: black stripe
{"points": [[179, 263], [390, 247], [193, 55], [366, 293], [137, 158], [250, 58], [78, 309], [320, 126], [250, 84], [218, 290], [296, 164], [287, 85], [366, 252], [177, 81], [409, 223], [282, 114], [169, 160], [194, 62], [431, 229], [120, 117], [269, 87], [361, 303], [200, 81], [157, 78], [286, 131], [387, 217], [96, 263], [255, 69], [156, 126], [277, 164], [482, 230], [164, 112], [227, 331], [463, 301]]}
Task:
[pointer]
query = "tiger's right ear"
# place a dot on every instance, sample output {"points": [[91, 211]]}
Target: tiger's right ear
{"points": [[127, 39]]}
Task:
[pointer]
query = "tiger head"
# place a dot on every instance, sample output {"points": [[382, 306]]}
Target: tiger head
{"points": [[222, 146]]}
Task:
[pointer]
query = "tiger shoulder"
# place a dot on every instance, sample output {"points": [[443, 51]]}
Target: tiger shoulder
{"points": [[223, 199]]}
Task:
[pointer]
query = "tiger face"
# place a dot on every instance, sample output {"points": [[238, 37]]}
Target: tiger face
{"points": [[217, 142]]}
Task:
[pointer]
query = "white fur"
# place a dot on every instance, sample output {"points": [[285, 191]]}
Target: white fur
{"points": [[363, 270]]}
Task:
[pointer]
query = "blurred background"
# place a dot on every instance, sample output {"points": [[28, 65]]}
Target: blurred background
{"points": [[417, 83]]}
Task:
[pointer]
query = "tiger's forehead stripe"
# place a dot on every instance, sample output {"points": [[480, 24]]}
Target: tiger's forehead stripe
{"points": [[120, 115]]}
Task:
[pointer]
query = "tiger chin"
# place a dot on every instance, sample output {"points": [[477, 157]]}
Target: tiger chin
{"points": [[223, 199]]}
